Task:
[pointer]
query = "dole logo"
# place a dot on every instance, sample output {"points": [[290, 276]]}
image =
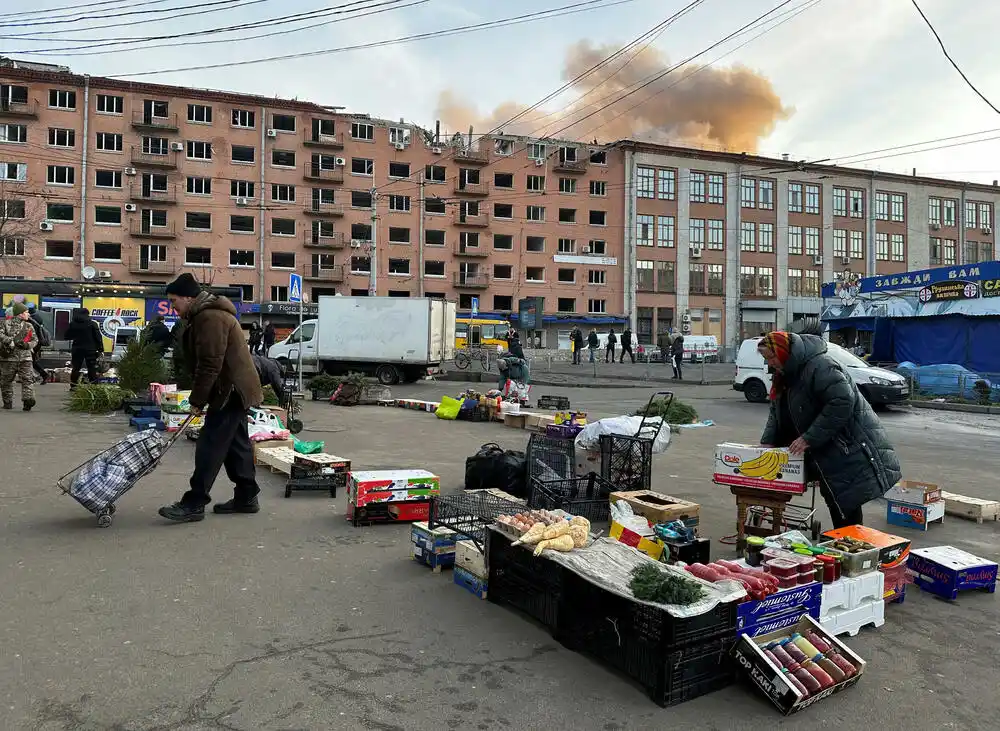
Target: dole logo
{"points": [[731, 459]]}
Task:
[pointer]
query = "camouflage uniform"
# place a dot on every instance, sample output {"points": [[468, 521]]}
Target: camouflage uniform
{"points": [[17, 339]]}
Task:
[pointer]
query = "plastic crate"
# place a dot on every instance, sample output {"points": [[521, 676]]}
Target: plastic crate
{"points": [[469, 513], [587, 496], [531, 585], [550, 458], [627, 462]]}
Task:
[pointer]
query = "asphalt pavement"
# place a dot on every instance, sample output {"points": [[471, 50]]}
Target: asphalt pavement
{"points": [[293, 619]]}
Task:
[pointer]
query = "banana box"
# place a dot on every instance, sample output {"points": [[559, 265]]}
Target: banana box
{"points": [[748, 465]]}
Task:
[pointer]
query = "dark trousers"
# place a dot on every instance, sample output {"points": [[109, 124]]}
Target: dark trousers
{"points": [[77, 360], [626, 349], [677, 360], [36, 363], [840, 518], [609, 352], [224, 442], [576, 354]]}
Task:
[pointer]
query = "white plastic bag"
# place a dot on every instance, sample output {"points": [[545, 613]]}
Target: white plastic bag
{"points": [[622, 513], [627, 426]]}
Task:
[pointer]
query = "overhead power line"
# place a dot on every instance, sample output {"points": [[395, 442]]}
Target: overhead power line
{"points": [[230, 5], [78, 6]]}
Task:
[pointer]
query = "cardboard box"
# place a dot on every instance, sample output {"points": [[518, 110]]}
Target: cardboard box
{"points": [[657, 507], [172, 421], [946, 570], [914, 491], [176, 400], [645, 541], [390, 486], [914, 515], [893, 549], [779, 610], [271, 444], [469, 557], [747, 465], [750, 657]]}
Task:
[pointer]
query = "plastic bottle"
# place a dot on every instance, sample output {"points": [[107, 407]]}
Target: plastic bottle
{"points": [[792, 680], [831, 668], [797, 654], [821, 676], [805, 645], [818, 642]]}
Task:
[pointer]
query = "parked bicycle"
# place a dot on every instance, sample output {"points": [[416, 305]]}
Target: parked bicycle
{"points": [[464, 358]]}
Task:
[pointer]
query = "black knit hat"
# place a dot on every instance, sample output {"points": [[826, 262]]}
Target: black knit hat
{"points": [[184, 286]]}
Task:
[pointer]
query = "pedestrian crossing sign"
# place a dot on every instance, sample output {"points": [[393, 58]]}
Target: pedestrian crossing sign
{"points": [[295, 288]]}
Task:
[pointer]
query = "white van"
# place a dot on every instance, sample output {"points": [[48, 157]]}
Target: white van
{"points": [[877, 385]]}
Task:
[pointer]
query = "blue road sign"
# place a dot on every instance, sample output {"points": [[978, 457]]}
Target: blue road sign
{"points": [[295, 288], [475, 306]]}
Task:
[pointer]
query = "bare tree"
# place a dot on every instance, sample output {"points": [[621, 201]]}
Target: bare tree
{"points": [[21, 213]]}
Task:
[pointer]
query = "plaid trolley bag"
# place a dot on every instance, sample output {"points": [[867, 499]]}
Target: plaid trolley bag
{"points": [[100, 481]]}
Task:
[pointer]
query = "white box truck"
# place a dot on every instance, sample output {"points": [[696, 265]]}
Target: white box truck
{"points": [[395, 339]]}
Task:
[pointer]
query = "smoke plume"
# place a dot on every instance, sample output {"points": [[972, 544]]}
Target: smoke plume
{"points": [[717, 108]]}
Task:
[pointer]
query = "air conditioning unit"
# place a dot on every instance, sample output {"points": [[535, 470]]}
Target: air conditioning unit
{"points": [[685, 318], [356, 243], [436, 150], [241, 201], [130, 207], [400, 146], [987, 230], [272, 133], [104, 274], [584, 249], [177, 146], [539, 163], [695, 252], [935, 227], [818, 259], [686, 328], [130, 171], [45, 226], [339, 162]]}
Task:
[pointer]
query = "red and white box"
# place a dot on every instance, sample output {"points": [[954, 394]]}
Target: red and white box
{"points": [[763, 468]]}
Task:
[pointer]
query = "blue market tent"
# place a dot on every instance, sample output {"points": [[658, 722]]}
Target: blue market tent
{"points": [[972, 342]]}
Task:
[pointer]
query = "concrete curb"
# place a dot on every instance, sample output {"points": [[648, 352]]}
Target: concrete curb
{"points": [[481, 377], [965, 408]]}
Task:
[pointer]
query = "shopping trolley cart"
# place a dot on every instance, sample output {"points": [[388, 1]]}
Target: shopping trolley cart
{"points": [[102, 480]]}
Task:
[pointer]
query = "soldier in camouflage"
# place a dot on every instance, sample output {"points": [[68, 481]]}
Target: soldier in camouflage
{"points": [[17, 340]]}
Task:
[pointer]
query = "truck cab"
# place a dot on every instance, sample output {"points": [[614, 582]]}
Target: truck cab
{"points": [[301, 338]]}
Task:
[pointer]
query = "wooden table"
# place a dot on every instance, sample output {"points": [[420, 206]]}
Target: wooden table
{"points": [[751, 497]]}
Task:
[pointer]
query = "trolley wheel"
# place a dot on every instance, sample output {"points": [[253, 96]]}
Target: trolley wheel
{"points": [[288, 490], [817, 529], [104, 520], [112, 509], [295, 425]]}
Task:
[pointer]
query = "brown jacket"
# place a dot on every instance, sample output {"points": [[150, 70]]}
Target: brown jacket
{"points": [[218, 356]]}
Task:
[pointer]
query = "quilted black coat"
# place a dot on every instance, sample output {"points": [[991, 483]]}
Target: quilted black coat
{"points": [[847, 445]]}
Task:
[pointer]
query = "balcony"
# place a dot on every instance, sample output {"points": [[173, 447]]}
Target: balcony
{"points": [[140, 265], [570, 166], [464, 280], [325, 209], [154, 160], [330, 142], [312, 171], [644, 284], [142, 120], [28, 109], [471, 188], [468, 155], [481, 220], [138, 192], [142, 230], [317, 273], [312, 240], [465, 250]]}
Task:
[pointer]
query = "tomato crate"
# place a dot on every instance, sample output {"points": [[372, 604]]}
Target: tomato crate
{"points": [[587, 496], [517, 579]]}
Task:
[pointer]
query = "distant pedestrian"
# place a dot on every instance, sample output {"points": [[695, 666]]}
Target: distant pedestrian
{"points": [[609, 351], [576, 340], [592, 342], [514, 345], [255, 337], [44, 341], [627, 345], [87, 345], [677, 356], [268, 337], [159, 334], [17, 341]]}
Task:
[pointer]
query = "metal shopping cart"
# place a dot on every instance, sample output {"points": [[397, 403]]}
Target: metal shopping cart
{"points": [[102, 480]]}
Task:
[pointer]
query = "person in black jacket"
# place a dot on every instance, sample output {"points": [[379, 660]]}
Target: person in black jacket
{"points": [[592, 342], [87, 346], [609, 351], [514, 345], [677, 356], [43, 341], [576, 336], [270, 373], [159, 334], [268, 338], [626, 345], [817, 410]]}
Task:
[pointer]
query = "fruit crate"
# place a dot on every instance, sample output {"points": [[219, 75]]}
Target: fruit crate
{"points": [[470, 513], [531, 585], [587, 496], [550, 458], [627, 462]]}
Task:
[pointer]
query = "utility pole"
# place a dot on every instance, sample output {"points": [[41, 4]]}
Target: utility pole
{"points": [[421, 234], [373, 259]]}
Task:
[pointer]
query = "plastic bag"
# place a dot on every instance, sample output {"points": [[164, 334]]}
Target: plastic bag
{"points": [[449, 408], [622, 513], [590, 437], [494, 468], [308, 447]]}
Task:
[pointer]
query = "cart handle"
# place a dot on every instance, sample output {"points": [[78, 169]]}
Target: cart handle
{"points": [[669, 398]]}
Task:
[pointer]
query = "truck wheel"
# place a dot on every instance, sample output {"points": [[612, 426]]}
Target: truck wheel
{"points": [[754, 391], [388, 375]]}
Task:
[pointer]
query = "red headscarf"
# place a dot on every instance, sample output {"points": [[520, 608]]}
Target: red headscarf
{"points": [[778, 342]]}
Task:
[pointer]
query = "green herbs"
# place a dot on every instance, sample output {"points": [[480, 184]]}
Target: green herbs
{"points": [[650, 583], [95, 398], [673, 412]]}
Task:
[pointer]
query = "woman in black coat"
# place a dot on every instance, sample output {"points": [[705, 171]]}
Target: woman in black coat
{"points": [[817, 410]]}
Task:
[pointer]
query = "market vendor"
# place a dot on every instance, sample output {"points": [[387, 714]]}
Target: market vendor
{"points": [[817, 410]]}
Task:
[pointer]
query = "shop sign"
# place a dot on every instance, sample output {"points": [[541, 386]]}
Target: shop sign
{"points": [[990, 288], [948, 291]]}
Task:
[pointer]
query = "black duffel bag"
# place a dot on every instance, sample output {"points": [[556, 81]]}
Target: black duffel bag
{"points": [[495, 468]]}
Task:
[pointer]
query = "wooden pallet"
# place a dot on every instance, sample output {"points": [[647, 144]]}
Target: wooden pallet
{"points": [[972, 508], [278, 459]]}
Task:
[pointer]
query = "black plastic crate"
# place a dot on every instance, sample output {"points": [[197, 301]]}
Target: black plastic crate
{"points": [[587, 496], [550, 458], [627, 462], [518, 579], [469, 513]]}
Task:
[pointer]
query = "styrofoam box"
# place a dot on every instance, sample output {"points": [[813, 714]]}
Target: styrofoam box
{"points": [[850, 593], [469, 557], [850, 621]]}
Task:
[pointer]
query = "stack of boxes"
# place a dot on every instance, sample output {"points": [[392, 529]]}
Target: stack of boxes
{"points": [[470, 568], [433, 547], [390, 495], [914, 504], [174, 408]]}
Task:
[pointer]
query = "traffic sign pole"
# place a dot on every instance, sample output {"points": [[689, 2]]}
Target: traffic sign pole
{"points": [[295, 295]]}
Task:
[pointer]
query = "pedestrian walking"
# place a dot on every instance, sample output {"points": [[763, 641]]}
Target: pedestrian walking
{"points": [[44, 341], [609, 351], [267, 338], [627, 345], [254, 338], [592, 342], [17, 341], [817, 410], [576, 338], [677, 356], [159, 334], [224, 386], [87, 345]]}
